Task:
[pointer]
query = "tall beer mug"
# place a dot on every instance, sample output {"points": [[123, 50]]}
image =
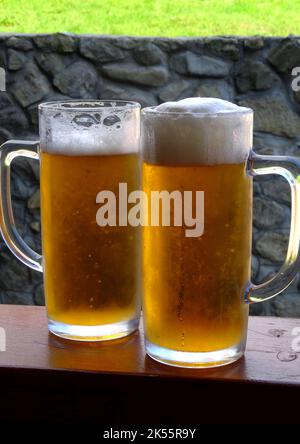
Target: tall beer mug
{"points": [[91, 274], [196, 274]]}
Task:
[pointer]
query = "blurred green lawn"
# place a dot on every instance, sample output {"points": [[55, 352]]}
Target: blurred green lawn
{"points": [[152, 17]]}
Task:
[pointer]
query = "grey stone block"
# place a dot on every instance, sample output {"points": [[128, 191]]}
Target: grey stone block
{"points": [[125, 92], [13, 274], [15, 60], [254, 43], [174, 90], [273, 114], [228, 47], [51, 63], [148, 54], [287, 305], [30, 85], [39, 298], [255, 75], [199, 65], [272, 246], [267, 213], [285, 55], [12, 118], [215, 88], [278, 189], [79, 80], [150, 76], [99, 50], [20, 43], [60, 42]]}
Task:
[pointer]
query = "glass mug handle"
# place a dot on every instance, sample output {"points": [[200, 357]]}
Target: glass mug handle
{"points": [[289, 168], [8, 151]]}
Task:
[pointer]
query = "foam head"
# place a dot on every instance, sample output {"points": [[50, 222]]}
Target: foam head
{"points": [[197, 130], [88, 128]]}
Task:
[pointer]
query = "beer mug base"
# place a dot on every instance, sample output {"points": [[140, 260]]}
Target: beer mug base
{"points": [[178, 358], [93, 332]]}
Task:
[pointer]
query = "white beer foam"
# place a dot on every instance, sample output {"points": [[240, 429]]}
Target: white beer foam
{"points": [[197, 130], [81, 134]]}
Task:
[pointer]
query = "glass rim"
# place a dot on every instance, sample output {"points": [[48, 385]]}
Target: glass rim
{"points": [[79, 105], [150, 110]]}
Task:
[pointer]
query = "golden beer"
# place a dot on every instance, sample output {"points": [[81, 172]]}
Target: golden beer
{"points": [[194, 286], [90, 271], [90, 263]]}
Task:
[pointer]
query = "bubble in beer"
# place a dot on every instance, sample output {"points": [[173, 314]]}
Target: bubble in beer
{"points": [[86, 120], [111, 120], [182, 339]]}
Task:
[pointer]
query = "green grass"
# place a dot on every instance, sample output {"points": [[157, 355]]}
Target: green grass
{"points": [[152, 17]]}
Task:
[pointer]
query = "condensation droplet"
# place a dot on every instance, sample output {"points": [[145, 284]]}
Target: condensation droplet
{"points": [[85, 120], [111, 120]]}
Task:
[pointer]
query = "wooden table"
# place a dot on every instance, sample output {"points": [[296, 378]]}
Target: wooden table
{"points": [[45, 379]]}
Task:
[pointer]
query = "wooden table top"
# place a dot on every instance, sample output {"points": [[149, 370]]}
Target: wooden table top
{"points": [[45, 368]]}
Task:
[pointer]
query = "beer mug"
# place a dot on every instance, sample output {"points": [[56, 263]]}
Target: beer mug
{"points": [[91, 276], [197, 158]]}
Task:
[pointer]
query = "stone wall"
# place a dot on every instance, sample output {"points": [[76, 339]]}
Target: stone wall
{"points": [[252, 71]]}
